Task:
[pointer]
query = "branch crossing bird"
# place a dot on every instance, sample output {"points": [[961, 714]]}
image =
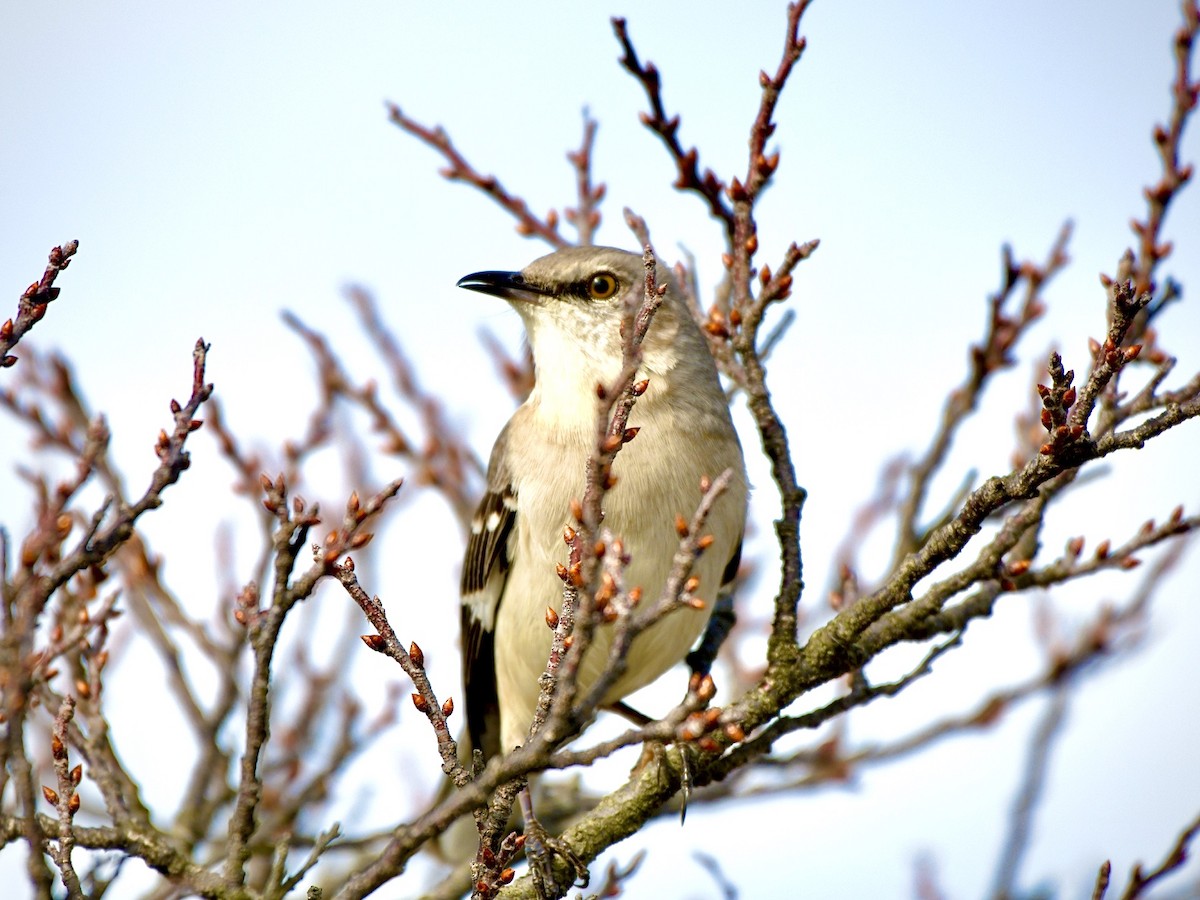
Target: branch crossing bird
{"points": [[571, 303]]}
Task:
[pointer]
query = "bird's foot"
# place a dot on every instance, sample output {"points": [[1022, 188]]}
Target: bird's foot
{"points": [[544, 850]]}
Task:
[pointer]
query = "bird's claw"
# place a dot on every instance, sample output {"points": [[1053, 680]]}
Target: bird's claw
{"points": [[541, 848]]}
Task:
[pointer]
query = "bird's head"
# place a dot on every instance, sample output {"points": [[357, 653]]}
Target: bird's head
{"points": [[572, 302]]}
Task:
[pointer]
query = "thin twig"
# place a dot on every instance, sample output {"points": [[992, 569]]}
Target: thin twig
{"points": [[34, 301], [458, 169]]}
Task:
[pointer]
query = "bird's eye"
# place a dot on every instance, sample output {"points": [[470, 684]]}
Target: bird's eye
{"points": [[602, 286]]}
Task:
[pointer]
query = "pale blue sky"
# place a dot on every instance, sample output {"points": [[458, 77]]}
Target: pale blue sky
{"points": [[223, 161]]}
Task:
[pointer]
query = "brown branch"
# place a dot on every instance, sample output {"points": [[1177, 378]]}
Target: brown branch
{"points": [[45, 568], [1167, 139], [174, 460], [1108, 359], [446, 462], [761, 168], [615, 402], [739, 328], [458, 169], [105, 535], [154, 850], [65, 799], [1061, 456], [1095, 641], [633, 618], [412, 661], [442, 461], [264, 626], [708, 186], [861, 694], [580, 598], [323, 842], [762, 703], [585, 217], [248, 466], [742, 322], [775, 444], [991, 355], [745, 318], [31, 307], [557, 715]]}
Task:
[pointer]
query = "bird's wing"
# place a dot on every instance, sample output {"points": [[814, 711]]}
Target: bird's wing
{"points": [[485, 571]]}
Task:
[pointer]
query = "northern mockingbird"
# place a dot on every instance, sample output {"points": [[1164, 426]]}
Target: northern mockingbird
{"points": [[571, 304]]}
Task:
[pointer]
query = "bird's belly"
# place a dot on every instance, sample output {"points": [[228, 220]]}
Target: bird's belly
{"points": [[521, 622], [647, 529]]}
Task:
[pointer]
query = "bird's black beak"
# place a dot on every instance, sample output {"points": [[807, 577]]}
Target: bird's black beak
{"points": [[509, 285]]}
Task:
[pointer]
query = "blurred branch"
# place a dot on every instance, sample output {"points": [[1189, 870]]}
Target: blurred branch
{"points": [[1021, 818], [444, 462], [447, 462], [517, 374]]}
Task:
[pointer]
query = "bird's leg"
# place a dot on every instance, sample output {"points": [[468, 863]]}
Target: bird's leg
{"points": [[541, 848], [623, 709]]}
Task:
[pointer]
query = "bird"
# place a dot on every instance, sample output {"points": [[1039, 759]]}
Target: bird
{"points": [[571, 303]]}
